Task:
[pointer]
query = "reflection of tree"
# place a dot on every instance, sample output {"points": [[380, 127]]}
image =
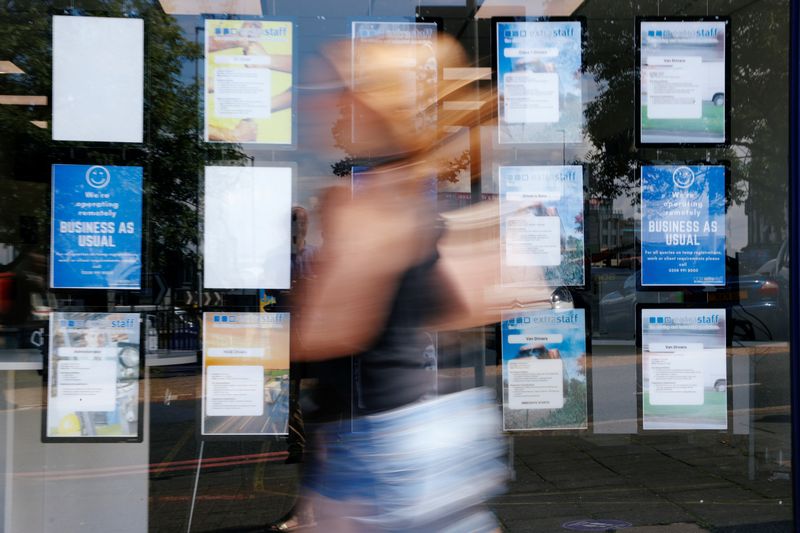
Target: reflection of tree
{"points": [[171, 154], [759, 133]]}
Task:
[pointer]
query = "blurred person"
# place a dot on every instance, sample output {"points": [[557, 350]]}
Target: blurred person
{"points": [[390, 269]]}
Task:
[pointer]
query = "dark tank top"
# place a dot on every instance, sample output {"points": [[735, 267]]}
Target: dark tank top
{"points": [[396, 369]]}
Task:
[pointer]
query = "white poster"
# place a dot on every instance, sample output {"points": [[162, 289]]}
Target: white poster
{"points": [[247, 228], [98, 79]]}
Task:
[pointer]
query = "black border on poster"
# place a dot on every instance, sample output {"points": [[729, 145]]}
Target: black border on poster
{"points": [[201, 85], [638, 81], [587, 322], [496, 92], [639, 359], [794, 227], [200, 436], [45, 438], [638, 243]]}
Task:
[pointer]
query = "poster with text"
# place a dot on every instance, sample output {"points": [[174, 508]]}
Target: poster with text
{"points": [[544, 370], [247, 227], [96, 233], [98, 79], [683, 80], [93, 374], [415, 72], [539, 82], [245, 374], [542, 225], [683, 225], [684, 371], [249, 81]]}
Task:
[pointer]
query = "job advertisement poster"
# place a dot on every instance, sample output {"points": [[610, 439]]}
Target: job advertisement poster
{"points": [[684, 371], [93, 374], [416, 71], [542, 225], [96, 233], [245, 374], [539, 82], [683, 73], [247, 227], [683, 225], [248, 81], [544, 370]]}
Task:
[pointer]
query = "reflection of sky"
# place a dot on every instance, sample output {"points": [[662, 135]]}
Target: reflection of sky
{"points": [[545, 178], [572, 346], [567, 62]]}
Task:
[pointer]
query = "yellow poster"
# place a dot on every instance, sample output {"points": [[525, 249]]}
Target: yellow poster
{"points": [[248, 81]]}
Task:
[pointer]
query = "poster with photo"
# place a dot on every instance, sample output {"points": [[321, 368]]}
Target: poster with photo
{"points": [[544, 370], [96, 233], [542, 229], [245, 374], [93, 374], [683, 81], [684, 369], [249, 81], [416, 71], [539, 83], [683, 225], [247, 227], [98, 79]]}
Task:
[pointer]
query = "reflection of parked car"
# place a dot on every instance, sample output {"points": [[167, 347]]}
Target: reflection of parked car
{"points": [[754, 300]]}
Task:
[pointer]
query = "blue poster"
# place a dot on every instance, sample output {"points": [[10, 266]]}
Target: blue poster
{"points": [[539, 96], [96, 232], [544, 370], [542, 228], [683, 225]]}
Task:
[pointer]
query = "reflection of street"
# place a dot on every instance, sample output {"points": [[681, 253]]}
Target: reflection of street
{"points": [[273, 421]]}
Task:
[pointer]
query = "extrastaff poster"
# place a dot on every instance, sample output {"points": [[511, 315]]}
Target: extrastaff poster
{"points": [[245, 374], [93, 375], [683, 225], [544, 370], [249, 81], [539, 83], [96, 229]]}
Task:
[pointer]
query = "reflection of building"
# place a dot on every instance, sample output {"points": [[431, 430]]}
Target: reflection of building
{"points": [[610, 237]]}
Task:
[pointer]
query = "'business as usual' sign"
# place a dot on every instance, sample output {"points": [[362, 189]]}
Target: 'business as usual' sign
{"points": [[683, 225], [96, 227]]}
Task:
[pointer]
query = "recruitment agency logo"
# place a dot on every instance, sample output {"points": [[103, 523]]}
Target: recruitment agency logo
{"points": [[683, 177], [98, 177]]}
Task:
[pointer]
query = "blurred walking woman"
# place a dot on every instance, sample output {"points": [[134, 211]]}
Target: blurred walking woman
{"points": [[389, 270]]}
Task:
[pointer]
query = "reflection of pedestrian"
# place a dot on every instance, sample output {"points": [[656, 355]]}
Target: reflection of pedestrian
{"points": [[387, 272]]}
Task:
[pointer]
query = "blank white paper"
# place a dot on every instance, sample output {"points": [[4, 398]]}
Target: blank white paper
{"points": [[98, 79], [247, 227]]}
